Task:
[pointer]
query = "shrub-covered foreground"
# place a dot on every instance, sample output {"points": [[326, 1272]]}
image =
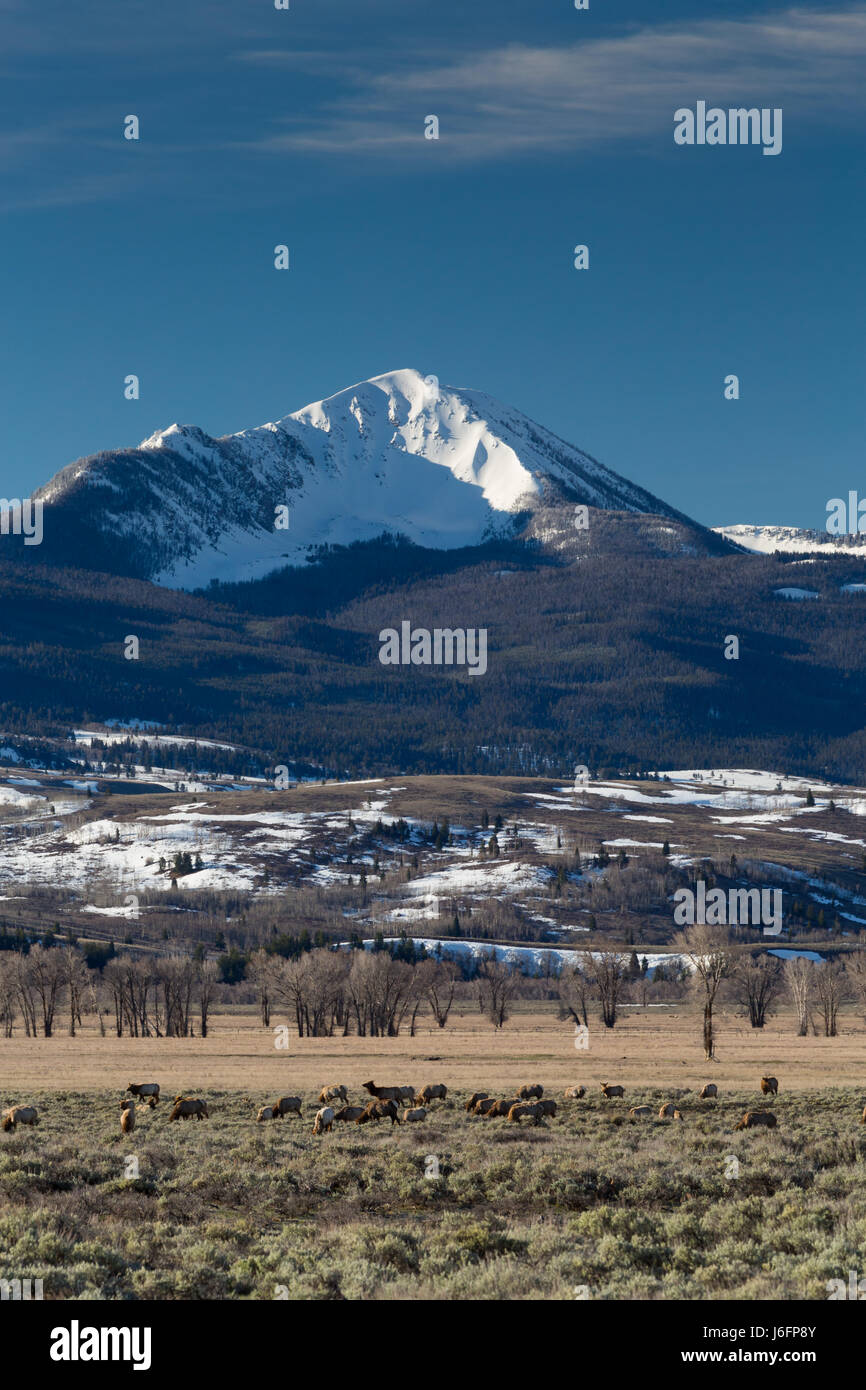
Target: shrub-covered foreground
{"points": [[228, 1208]]}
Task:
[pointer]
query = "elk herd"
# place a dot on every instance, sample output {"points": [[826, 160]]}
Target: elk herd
{"points": [[385, 1102], [527, 1104]]}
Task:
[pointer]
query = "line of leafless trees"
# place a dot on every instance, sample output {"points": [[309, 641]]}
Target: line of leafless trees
{"points": [[366, 992], [155, 998], [374, 994], [755, 981]]}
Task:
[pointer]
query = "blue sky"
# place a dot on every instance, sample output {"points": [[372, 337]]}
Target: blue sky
{"points": [[454, 256]]}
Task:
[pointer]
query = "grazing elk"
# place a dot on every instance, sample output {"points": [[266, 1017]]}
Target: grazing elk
{"points": [[324, 1120], [349, 1114], [380, 1110], [753, 1118], [186, 1106], [524, 1110], [500, 1108], [329, 1093], [287, 1105], [534, 1092], [428, 1093], [145, 1090], [394, 1093], [486, 1105], [20, 1115]]}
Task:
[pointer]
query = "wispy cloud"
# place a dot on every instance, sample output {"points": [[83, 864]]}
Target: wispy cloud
{"points": [[521, 99]]}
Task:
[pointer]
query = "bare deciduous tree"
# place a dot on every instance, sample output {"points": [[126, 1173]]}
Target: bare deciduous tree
{"points": [[207, 985], [259, 974], [497, 985], [608, 979], [74, 976], [8, 994], [855, 968], [831, 988], [798, 971], [756, 982], [574, 991], [44, 968], [707, 950], [439, 981]]}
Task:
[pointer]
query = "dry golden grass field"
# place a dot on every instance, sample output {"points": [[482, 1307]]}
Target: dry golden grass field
{"points": [[650, 1047]]}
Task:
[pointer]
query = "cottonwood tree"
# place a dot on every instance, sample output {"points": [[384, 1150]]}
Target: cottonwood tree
{"points": [[799, 983], [133, 984], [855, 968], [574, 990], [756, 982], [708, 951], [314, 985], [176, 978], [26, 993], [207, 984], [75, 978], [8, 994], [831, 987], [45, 971], [128, 982], [608, 980], [259, 974], [497, 986], [438, 982]]}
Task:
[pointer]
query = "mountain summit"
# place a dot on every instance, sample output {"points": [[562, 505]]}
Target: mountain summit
{"points": [[443, 466]]}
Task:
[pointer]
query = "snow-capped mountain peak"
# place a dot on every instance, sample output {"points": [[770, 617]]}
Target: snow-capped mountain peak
{"points": [[409, 415], [443, 466]]}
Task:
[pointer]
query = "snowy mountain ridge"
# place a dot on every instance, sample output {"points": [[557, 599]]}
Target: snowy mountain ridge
{"points": [[792, 540], [443, 466]]}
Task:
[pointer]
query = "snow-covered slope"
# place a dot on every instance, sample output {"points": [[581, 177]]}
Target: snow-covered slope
{"points": [[767, 539], [442, 466]]}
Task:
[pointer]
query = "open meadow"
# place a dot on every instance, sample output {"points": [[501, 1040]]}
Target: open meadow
{"points": [[590, 1203]]}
